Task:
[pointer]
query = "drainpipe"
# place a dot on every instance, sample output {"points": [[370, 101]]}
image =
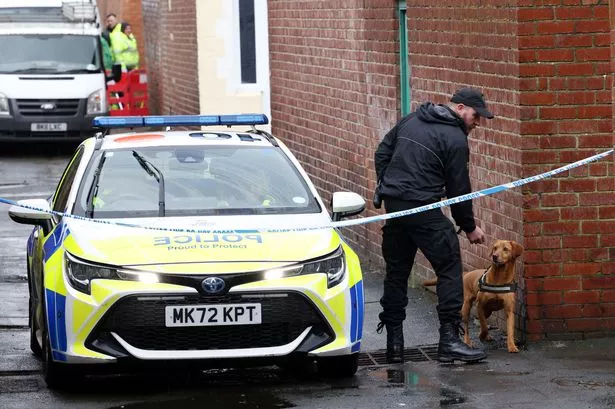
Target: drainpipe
{"points": [[404, 69]]}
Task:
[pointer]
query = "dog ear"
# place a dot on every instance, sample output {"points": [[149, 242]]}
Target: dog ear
{"points": [[517, 249]]}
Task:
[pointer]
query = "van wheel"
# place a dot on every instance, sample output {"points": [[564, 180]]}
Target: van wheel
{"points": [[344, 366]]}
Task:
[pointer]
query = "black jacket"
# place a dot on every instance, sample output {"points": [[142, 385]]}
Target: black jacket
{"points": [[424, 158]]}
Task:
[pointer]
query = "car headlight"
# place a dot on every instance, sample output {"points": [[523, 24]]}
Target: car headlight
{"points": [[97, 102], [81, 273], [4, 105], [333, 265]]}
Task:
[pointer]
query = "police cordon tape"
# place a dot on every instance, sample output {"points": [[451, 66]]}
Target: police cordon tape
{"points": [[344, 223]]}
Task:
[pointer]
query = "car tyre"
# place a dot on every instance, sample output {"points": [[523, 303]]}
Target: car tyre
{"points": [[57, 375], [35, 346], [299, 367], [344, 366]]}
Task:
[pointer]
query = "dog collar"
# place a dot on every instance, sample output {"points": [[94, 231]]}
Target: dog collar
{"points": [[495, 288]]}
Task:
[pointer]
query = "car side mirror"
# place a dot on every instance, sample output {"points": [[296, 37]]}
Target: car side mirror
{"points": [[116, 73], [27, 215], [345, 204]]}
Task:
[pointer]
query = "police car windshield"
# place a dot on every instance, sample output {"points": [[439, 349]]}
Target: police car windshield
{"points": [[198, 181]]}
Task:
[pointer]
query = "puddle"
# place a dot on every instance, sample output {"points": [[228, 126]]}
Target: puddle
{"points": [[397, 376], [449, 397], [584, 382], [409, 378]]}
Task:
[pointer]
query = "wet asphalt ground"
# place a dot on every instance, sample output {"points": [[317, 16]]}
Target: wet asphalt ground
{"points": [[550, 374]]}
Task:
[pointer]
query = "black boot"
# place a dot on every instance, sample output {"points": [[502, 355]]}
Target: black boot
{"points": [[452, 348], [395, 342]]}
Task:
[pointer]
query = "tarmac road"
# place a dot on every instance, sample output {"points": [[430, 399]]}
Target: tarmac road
{"points": [[545, 375]]}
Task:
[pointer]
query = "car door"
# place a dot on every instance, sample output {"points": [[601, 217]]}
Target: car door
{"points": [[40, 234]]}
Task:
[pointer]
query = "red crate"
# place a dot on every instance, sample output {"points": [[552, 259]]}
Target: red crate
{"points": [[129, 96]]}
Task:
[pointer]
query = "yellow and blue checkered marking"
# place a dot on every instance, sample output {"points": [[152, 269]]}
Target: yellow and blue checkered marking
{"points": [[56, 324], [356, 315], [55, 240]]}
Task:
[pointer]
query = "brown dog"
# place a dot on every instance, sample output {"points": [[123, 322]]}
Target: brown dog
{"points": [[493, 290]]}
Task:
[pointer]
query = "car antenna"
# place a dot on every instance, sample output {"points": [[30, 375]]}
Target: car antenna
{"points": [[100, 137], [265, 134]]}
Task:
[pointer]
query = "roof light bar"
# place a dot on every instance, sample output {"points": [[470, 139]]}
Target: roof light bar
{"points": [[244, 119], [175, 120], [117, 121], [179, 120]]}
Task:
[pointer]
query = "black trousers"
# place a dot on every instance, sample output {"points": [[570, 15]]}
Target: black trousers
{"points": [[434, 234]]}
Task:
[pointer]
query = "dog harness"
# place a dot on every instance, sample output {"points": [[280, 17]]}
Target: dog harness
{"points": [[495, 288]]}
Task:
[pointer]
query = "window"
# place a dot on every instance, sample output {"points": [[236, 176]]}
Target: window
{"points": [[247, 40], [50, 54], [198, 181], [61, 197]]}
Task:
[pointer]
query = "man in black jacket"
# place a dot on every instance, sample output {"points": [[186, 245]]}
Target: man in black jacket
{"points": [[422, 159]]}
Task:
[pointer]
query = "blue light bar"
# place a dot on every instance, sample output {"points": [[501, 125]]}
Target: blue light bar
{"points": [[179, 120], [117, 121], [244, 119]]}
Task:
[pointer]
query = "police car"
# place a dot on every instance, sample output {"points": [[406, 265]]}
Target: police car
{"points": [[208, 245]]}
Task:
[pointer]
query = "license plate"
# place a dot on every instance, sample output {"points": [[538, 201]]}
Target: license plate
{"points": [[212, 314], [48, 127]]}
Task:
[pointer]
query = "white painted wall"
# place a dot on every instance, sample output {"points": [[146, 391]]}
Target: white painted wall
{"points": [[220, 87]]}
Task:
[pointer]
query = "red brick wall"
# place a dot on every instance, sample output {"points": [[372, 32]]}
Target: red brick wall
{"points": [[171, 54], [461, 43], [543, 67], [334, 92], [567, 112]]}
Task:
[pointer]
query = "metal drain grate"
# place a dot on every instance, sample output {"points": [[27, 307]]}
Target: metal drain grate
{"points": [[416, 354]]}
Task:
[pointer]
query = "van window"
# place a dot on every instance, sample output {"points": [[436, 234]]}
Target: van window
{"points": [[49, 54]]}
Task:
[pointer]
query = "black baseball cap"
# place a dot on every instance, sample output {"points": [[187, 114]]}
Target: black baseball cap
{"points": [[473, 98]]}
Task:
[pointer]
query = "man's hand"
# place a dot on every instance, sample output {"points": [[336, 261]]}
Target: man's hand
{"points": [[477, 236]]}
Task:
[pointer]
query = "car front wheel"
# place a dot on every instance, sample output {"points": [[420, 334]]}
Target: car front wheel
{"points": [[344, 366], [57, 375], [35, 346]]}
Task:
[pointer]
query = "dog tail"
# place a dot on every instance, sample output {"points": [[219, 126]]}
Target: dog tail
{"points": [[427, 283]]}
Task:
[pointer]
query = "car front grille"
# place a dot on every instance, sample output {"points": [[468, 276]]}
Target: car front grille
{"points": [[47, 107], [140, 321]]}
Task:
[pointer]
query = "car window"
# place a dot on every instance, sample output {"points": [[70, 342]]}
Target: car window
{"points": [[197, 181], [66, 183]]}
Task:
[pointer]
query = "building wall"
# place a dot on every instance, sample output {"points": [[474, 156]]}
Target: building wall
{"points": [[566, 52], [463, 43], [220, 87], [334, 87], [170, 31], [543, 67]]}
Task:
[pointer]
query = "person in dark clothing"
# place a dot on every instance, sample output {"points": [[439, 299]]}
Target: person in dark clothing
{"points": [[422, 159]]}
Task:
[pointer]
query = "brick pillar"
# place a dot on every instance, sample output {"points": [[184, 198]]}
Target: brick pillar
{"points": [[566, 99]]}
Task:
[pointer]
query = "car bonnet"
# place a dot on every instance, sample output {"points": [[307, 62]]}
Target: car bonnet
{"points": [[129, 246]]}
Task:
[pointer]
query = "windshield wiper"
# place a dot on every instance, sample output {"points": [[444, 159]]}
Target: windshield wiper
{"points": [[32, 70], [94, 188], [150, 168], [79, 71]]}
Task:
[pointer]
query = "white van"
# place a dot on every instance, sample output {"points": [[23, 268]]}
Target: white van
{"points": [[52, 78]]}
